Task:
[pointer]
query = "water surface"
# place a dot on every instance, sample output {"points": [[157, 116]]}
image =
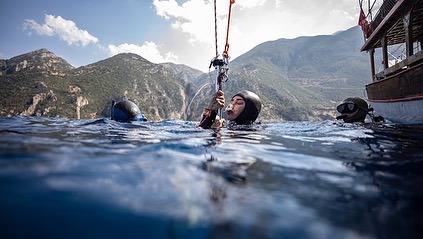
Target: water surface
{"points": [[63, 178]]}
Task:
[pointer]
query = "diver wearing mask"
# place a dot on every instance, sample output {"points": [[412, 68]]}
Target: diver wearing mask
{"points": [[243, 109], [353, 110]]}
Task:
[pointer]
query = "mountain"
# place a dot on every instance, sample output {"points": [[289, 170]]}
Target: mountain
{"points": [[87, 92], [182, 71], [302, 78], [41, 61], [297, 79]]}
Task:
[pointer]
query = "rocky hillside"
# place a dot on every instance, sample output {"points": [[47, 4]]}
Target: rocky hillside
{"points": [[50, 87], [303, 78], [37, 62], [297, 79]]}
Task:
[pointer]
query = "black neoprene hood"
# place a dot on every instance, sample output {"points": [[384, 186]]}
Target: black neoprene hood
{"points": [[359, 113], [126, 111], [252, 107]]}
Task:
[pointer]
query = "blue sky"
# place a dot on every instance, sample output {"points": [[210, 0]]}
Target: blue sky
{"points": [[180, 31]]}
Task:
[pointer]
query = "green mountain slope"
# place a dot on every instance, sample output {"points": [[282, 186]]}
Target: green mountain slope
{"points": [[297, 79], [302, 78], [90, 89]]}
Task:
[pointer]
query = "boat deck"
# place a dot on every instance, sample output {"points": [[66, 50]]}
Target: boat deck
{"points": [[401, 66], [396, 93], [399, 86], [391, 23]]}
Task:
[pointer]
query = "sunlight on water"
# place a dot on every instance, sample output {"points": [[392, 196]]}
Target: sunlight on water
{"points": [[171, 180]]}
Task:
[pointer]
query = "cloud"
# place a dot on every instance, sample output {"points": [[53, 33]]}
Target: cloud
{"points": [[256, 21], [66, 30], [193, 17], [149, 50], [251, 3]]}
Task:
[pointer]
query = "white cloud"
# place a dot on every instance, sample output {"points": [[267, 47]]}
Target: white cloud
{"points": [[39, 29], [149, 50], [194, 17], [255, 21], [251, 3], [66, 30]]}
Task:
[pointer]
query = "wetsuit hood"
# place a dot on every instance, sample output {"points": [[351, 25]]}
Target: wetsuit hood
{"points": [[252, 107], [353, 110], [125, 111]]}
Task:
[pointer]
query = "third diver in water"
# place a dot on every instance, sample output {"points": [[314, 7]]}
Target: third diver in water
{"points": [[355, 110]]}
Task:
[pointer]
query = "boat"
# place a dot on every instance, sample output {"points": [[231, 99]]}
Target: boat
{"points": [[396, 88]]}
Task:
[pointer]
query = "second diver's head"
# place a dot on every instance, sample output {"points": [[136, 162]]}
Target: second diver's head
{"points": [[244, 107], [125, 111]]}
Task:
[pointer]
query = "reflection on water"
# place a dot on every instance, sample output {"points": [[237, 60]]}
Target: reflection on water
{"points": [[84, 178]]}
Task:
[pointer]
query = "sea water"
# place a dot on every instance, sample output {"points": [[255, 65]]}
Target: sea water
{"points": [[65, 178]]}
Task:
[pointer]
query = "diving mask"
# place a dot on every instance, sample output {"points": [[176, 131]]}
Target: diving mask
{"points": [[347, 108]]}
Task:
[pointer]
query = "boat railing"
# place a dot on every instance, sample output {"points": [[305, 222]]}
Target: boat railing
{"points": [[384, 9], [412, 61]]}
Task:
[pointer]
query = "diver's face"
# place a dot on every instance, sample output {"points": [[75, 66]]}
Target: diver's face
{"points": [[234, 109]]}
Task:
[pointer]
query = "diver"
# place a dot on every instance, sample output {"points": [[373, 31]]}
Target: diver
{"points": [[126, 111], [243, 109], [355, 110]]}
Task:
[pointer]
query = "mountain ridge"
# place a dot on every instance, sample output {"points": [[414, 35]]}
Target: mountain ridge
{"points": [[39, 61], [297, 79]]}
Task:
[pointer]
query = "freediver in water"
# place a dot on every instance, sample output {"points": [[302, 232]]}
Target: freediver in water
{"points": [[126, 111], [354, 110], [243, 109], [242, 112]]}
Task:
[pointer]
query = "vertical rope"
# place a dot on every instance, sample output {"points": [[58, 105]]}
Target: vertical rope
{"points": [[215, 28], [221, 67], [227, 30]]}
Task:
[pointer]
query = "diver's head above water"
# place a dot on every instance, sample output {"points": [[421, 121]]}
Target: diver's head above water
{"points": [[244, 107], [353, 110], [125, 111]]}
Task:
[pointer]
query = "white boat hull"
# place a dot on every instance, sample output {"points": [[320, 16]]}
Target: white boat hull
{"points": [[408, 111]]}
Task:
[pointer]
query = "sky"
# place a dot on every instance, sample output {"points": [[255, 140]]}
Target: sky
{"points": [[179, 31]]}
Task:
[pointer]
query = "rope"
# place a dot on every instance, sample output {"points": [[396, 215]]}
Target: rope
{"points": [[226, 51], [193, 98], [370, 8], [215, 28], [221, 64]]}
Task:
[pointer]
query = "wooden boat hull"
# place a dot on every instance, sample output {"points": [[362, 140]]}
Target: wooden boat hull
{"points": [[399, 97], [396, 92]]}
